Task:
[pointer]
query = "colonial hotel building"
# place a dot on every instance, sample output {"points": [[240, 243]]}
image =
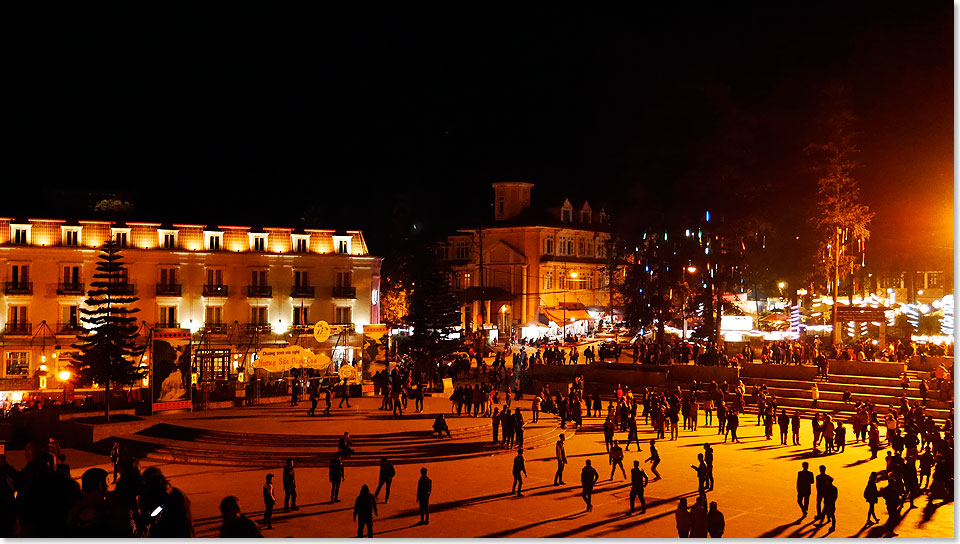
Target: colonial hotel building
{"points": [[236, 288]]}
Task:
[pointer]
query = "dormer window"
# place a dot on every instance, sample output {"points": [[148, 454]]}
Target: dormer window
{"points": [[214, 240], [20, 234], [168, 238], [566, 215], [301, 243], [586, 216], [70, 236], [120, 235], [258, 242], [341, 244]]}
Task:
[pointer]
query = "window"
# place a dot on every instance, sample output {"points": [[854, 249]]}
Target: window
{"points": [[548, 280], [463, 249], [585, 216], [344, 278], [18, 363], [213, 315], [71, 236], [301, 316], [258, 315], [20, 234], [214, 276], [71, 275], [342, 244], [168, 317], [343, 315], [548, 245], [168, 276], [300, 278], [301, 243], [587, 279], [581, 247], [566, 214], [120, 236], [259, 278], [565, 245], [16, 315], [70, 317], [588, 245], [601, 249], [258, 242], [20, 275], [168, 239], [214, 240], [443, 252], [934, 280]]}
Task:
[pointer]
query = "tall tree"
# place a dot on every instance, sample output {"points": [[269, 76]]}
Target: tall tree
{"points": [[434, 308], [842, 220], [108, 346]]}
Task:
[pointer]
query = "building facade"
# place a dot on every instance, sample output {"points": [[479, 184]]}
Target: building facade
{"points": [[531, 267], [235, 288]]}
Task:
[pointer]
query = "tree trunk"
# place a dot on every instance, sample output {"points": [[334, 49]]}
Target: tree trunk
{"points": [[106, 401], [835, 333]]}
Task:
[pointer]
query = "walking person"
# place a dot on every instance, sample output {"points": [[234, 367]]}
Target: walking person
{"points": [[495, 420], [783, 421], [795, 427], [616, 459], [632, 435], [561, 461], [535, 408], [715, 523], [337, 476], [874, 440], [608, 433], [830, 503], [268, 501], [314, 397], [115, 457], [387, 472], [364, 509], [289, 487], [518, 427], [344, 394], [328, 400], [840, 438], [683, 519], [638, 481], [804, 485], [424, 489], [654, 458], [872, 495], [588, 477], [822, 482], [733, 422], [518, 468], [418, 398], [708, 459]]}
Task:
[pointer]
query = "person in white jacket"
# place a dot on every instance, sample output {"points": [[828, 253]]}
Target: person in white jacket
{"points": [[815, 394]]}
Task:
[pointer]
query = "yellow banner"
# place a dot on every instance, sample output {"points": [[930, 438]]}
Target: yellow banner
{"points": [[282, 359]]}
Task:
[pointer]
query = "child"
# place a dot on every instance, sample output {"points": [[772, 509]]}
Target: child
{"points": [[268, 501]]}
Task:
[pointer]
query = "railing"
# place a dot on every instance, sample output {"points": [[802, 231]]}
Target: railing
{"points": [[169, 289], [302, 291], [18, 288], [18, 328], [69, 328], [253, 328], [70, 288], [215, 328], [214, 290], [301, 329], [344, 291], [125, 288], [167, 325], [259, 291]]}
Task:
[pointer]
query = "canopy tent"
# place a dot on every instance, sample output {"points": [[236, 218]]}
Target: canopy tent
{"points": [[559, 315]]}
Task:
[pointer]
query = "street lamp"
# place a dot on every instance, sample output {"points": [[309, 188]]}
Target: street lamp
{"points": [[683, 301], [563, 328]]}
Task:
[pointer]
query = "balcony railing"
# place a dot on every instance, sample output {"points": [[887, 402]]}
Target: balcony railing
{"points": [[125, 288], [259, 291], [300, 328], [215, 328], [70, 288], [214, 290], [18, 328], [18, 288], [344, 291], [302, 291], [169, 289], [262, 328], [69, 328], [167, 325]]}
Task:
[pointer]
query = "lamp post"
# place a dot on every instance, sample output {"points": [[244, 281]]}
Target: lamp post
{"points": [[563, 327], [683, 301]]}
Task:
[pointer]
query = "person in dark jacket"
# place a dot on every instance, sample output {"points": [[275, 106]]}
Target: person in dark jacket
{"points": [[783, 421], [638, 481], [337, 477], [608, 433], [822, 482], [715, 524], [364, 509], [424, 489], [235, 524], [518, 468], [699, 521], [830, 503], [804, 484], [683, 519], [518, 427], [314, 397], [269, 499], [795, 427], [387, 472], [495, 419], [588, 477], [440, 426], [289, 487], [175, 520], [344, 446], [872, 496]]}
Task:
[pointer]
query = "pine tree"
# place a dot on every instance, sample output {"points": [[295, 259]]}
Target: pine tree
{"points": [[108, 346]]}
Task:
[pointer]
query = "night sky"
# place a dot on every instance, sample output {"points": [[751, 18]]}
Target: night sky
{"points": [[381, 119]]}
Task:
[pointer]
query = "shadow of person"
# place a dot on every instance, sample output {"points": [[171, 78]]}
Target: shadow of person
{"points": [[779, 529]]}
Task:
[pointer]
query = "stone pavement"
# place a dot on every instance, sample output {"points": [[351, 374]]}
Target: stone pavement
{"points": [[755, 487]]}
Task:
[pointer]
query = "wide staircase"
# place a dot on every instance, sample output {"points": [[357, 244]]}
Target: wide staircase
{"points": [[883, 392], [191, 445]]}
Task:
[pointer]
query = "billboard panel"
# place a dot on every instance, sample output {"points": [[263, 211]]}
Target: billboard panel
{"points": [[170, 373]]}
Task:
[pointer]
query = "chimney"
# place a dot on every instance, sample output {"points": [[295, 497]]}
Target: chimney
{"points": [[510, 198]]}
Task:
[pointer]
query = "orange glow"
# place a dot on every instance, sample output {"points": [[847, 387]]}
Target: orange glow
{"points": [[691, 269], [42, 238]]}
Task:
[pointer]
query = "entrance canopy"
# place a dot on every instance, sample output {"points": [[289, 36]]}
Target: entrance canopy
{"points": [[559, 315]]}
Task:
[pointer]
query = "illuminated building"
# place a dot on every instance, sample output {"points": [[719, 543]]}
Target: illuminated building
{"points": [[539, 265], [236, 288]]}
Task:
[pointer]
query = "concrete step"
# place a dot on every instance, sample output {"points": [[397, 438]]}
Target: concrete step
{"points": [[838, 406], [865, 392], [867, 380], [878, 400]]}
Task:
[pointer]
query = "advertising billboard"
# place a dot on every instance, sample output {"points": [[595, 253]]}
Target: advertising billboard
{"points": [[170, 379]]}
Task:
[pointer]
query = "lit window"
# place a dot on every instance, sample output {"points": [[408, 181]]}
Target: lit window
{"points": [[71, 236], [18, 363], [258, 242], [20, 234], [168, 239], [214, 240], [120, 235], [343, 315], [342, 244], [301, 243]]}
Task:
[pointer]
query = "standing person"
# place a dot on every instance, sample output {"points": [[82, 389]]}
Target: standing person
{"points": [[561, 461], [289, 487], [638, 481], [588, 477], [733, 422], [495, 419], [328, 400], [783, 421], [535, 408], [674, 424], [872, 495], [632, 435], [699, 520], [115, 457], [387, 472], [337, 476], [597, 406], [874, 440], [364, 509], [683, 519], [701, 469], [840, 438], [344, 394], [822, 481], [804, 483], [708, 459], [418, 397], [817, 430], [608, 433], [830, 503], [926, 463], [518, 427], [721, 417], [616, 459], [795, 427], [518, 468], [829, 433], [655, 458], [314, 398], [815, 394], [424, 489], [268, 501], [715, 523], [507, 422], [235, 524]]}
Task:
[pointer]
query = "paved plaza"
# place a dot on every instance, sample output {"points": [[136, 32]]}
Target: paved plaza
{"points": [[755, 481]]}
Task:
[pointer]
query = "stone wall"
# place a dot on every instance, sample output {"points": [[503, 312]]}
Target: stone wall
{"points": [[880, 369], [930, 364], [778, 372]]}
